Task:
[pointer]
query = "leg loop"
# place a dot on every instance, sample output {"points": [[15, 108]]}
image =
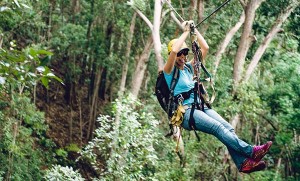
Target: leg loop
{"points": [[192, 122]]}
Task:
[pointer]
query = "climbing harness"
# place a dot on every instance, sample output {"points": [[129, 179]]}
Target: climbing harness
{"points": [[198, 62], [199, 88]]}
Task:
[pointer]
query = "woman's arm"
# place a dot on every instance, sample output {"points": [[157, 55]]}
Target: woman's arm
{"points": [[175, 49], [202, 43]]}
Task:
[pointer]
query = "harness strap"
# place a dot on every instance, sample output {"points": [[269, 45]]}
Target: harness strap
{"points": [[211, 83], [195, 105], [202, 92], [183, 96], [192, 123], [171, 95]]}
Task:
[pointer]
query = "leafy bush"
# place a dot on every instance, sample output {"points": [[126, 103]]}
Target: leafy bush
{"points": [[23, 127], [22, 69], [59, 173], [21, 156], [126, 148]]}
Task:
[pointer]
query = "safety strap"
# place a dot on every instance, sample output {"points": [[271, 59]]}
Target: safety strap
{"points": [[210, 80], [172, 87], [183, 96], [195, 105]]}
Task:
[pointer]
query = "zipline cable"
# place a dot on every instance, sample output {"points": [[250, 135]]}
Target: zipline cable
{"points": [[218, 8], [214, 12]]}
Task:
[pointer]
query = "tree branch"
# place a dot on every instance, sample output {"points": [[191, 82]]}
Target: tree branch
{"points": [[1, 41], [127, 55], [147, 21], [243, 3], [269, 120], [227, 40], [176, 20]]}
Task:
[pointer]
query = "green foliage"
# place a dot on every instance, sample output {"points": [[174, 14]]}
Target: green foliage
{"points": [[262, 176], [93, 35], [21, 128], [281, 96], [60, 173], [138, 4], [22, 69], [127, 148], [14, 16], [61, 152], [73, 147], [70, 37], [1, 174], [294, 25]]}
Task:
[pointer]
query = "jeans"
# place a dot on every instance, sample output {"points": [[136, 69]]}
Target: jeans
{"points": [[211, 122]]}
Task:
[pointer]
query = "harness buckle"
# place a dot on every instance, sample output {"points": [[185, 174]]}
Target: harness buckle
{"points": [[180, 99]]}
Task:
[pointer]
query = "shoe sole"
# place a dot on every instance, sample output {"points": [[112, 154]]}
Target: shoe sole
{"points": [[258, 167]]}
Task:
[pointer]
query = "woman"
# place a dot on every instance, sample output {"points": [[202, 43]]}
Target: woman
{"points": [[246, 157]]}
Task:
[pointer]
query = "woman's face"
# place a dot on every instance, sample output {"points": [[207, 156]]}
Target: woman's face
{"points": [[182, 57]]}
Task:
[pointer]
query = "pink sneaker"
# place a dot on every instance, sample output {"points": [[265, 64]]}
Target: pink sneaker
{"points": [[260, 151], [250, 165]]}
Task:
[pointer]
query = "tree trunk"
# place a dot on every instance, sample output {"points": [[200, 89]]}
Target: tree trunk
{"points": [[277, 168], [80, 122], [93, 106], [140, 69], [245, 41], [103, 85], [272, 33], [71, 125], [127, 53], [75, 6], [226, 41], [156, 35], [257, 137], [192, 9], [1, 41], [49, 25], [235, 121], [200, 10], [88, 40], [155, 30]]}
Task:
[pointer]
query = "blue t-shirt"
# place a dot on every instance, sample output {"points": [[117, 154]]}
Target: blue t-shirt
{"points": [[184, 84]]}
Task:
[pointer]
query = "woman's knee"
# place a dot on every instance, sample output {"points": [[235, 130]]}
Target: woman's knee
{"points": [[207, 124], [213, 114], [219, 128]]}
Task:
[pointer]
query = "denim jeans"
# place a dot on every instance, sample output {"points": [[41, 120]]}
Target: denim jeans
{"points": [[211, 122]]}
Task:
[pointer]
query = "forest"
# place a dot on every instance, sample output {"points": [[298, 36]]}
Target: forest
{"points": [[77, 81]]}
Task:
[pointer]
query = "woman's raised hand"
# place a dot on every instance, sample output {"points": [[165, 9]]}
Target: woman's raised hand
{"points": [[186, 25]]}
